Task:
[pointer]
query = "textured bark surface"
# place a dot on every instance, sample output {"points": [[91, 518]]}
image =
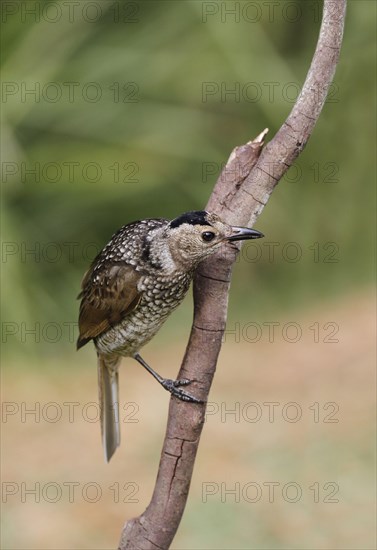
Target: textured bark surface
{"points": [[242, 190]]}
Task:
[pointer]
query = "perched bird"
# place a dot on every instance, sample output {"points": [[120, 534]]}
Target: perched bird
{"points": [[131, 288]]}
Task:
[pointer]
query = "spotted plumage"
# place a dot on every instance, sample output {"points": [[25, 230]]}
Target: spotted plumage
{"points": [[131, 288]]}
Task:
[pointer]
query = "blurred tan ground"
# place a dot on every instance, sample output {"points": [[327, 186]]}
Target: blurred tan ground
{"points": [[231, 451]]}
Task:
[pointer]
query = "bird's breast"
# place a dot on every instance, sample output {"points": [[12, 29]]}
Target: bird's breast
{"points": [[159, 297]]}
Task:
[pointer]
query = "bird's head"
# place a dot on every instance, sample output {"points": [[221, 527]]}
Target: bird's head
{"points": [[195, 235]]}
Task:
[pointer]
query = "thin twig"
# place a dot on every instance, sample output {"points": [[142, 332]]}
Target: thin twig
{"points": [[239, 196]]}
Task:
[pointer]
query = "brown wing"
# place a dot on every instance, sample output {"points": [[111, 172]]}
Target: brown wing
{"points": [[106, 300]]}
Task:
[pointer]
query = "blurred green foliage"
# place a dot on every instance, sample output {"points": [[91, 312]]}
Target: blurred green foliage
{"points": [[120, 127]]}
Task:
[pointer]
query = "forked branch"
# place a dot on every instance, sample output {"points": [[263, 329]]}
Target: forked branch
{"points": [[239, 196]]}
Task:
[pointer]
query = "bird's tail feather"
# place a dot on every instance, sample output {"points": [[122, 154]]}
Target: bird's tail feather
{"points": [[108, 387]]}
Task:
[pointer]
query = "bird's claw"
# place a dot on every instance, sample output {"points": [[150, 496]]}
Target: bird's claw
{"points": [[182, 382], [172, 386]]}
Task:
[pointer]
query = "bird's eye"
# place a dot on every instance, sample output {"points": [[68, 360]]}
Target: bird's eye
{"points": [[208, 236]]}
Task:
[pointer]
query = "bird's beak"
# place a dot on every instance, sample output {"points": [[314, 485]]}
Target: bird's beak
{"points": [[244, 233]]}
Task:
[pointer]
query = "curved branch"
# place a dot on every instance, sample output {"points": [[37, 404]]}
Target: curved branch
{"points": [[239, 196]]}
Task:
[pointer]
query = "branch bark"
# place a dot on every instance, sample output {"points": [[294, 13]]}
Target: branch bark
{"points": [[241, 192]]}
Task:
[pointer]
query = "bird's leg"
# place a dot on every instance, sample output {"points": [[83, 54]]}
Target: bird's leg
{"points": [[171, 386]]}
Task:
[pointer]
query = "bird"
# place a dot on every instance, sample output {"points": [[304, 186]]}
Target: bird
{"points": [[131, 288]]}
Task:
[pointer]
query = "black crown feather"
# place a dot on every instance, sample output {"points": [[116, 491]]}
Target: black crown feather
{"points": [[196, 217]]}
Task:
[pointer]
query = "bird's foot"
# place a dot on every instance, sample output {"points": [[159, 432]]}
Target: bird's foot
{"points": [[173, 386]]}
